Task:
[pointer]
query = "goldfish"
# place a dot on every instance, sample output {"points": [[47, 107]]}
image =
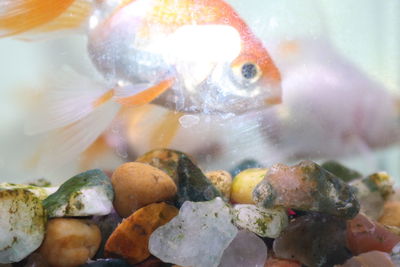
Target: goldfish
{"points": [[331, 109], [191, 56]]}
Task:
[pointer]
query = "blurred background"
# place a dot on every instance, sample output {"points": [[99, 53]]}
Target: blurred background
{"points": [[340, 63]]}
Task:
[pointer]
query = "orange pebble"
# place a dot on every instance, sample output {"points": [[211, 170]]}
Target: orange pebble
{"points": [[130, 239]]}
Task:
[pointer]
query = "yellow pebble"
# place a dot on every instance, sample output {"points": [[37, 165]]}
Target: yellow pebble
{"points": [[244, 183]]}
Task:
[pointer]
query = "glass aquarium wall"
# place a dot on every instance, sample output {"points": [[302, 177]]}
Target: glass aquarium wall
{"points": [[340, 77]]}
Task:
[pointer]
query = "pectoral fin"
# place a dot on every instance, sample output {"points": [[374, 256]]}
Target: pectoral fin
{"points": [[143, 95]]}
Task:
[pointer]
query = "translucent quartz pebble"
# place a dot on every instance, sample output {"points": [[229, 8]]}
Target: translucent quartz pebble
{"points": [[247, 249], [365, 235], [370, 259], [263, 222], [307, 187], [197, 237], [314, 240], [396, 254]]}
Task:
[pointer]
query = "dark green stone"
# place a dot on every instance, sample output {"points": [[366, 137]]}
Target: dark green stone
{"points": [[107, 263], [341, 171], [315, 240], [244, 165], [343, 203], [193, 184]]}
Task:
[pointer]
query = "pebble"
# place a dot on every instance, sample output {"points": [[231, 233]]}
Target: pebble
{"points": [[372, 192], [107, 225], [222, 180], [244, 183], [244, 165], [137, 185], [263, 222], [165, 160], [395, 255], [130, 239], [364, 235], [314, 240], [70, 242], [22, 224], [197, 237], [193, 184], [107, 263], [370, 259], [86, 194], [391, 214], [247, 249], [341, 171], [35, 260], [275, 262], [306, 187]]}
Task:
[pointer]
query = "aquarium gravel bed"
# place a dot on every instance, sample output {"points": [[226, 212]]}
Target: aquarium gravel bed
{"points": [[162, 210]]}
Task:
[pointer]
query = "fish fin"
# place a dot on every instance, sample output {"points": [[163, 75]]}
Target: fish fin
{"points": [[21, 16], [75, 98], [165, 130], [67, 143], [142, 94]]}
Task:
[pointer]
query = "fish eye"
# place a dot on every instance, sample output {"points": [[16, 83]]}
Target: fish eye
{"points": [[246, 74], [249, 71]]}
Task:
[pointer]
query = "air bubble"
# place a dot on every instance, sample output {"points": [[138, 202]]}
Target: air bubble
{"points": [[187, 121]]}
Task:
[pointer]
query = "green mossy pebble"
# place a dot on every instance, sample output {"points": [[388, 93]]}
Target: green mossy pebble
{"points": [[86, 194]]}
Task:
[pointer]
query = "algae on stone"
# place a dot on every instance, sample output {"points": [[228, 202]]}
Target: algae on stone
{"points": [[22, 224], [263, 222], [88, 193], [306, 187]]}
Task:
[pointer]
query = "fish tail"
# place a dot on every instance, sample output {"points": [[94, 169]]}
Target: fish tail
{"points": [[73, 117], [42, 16]]}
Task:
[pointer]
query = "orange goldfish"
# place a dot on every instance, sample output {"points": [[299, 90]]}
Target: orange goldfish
{"points": [[187, 55]]}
